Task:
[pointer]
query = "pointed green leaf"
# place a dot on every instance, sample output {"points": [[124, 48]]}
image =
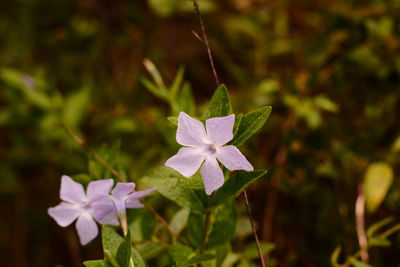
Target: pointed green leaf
{"points": [[249, 124], [124, 251], [186, 100], [97, 263], [180, 219], [165, 180], [176, 84], [219, 105], [136, 259], [223, 225], [379, 242], [111, 242], [180, 253], [173, 120], [235, 185], [149, 250], [335, 256], [376, 226], [74, 107], [378, 178], [197, 259], [357, 263]]}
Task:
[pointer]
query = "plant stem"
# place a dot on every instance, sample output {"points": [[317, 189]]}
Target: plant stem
{"points": [[360, 224], [254, 229], [205, 232], [97, 157], [205, 40]]}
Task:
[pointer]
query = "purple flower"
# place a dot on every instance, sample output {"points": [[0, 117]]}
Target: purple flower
{"points": [[111, 209], [77, 205], [207, 145]]}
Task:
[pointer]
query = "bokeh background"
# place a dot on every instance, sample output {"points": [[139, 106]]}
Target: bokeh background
{"points": [[330, 69]]}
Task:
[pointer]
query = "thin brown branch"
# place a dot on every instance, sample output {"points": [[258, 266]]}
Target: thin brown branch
{"points": [[159, 218], [360, 224], [205, 40], [205, 233], [260, 254], [82, 143]]}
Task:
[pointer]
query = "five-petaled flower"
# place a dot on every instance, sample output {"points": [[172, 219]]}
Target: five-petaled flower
{"points": [[78, 205], [207, 145], [111, 209]]}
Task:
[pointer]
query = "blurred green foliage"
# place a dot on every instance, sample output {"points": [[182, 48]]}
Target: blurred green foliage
{"points": [[331, 70]]}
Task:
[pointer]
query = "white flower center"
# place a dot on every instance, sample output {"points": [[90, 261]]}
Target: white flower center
{"points": [[210, 150]]}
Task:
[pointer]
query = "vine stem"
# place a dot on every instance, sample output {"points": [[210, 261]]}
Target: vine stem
{"points": [[205, 40], [360, 224], [99, 159], [210, 57], [246, 200]]}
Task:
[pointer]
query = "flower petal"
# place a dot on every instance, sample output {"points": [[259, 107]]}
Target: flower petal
{"points": [[64, 213], [212, 175], [187, 161], [86, 228], [139, 194], [190, 131], [121, 190], [99, 187], [233, 159], [133, 203], [71, 191], [220, 129], [104, 210]]}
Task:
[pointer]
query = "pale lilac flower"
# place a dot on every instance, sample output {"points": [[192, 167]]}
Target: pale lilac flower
{"points": [[111, 209], [207, 145], [77, 205]]}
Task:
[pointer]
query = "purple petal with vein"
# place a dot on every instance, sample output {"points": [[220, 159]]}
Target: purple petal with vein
{"points": [[220, 129], [187, 161], [99, 187], [64, 213], [71, 191], [212, 175], [86, 228], [190, 131], [123, 189], [233, 159]]}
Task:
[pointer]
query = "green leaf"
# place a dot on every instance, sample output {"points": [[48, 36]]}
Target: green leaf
{"points": [[110, 155], [173, 120], [219, 105], [195, 228], [379, 242], [376, 226], [235, 185], [165, 180], [149, 250], [251, 251], [249, 124], [377, 181], [124, 251], [198, 259], [176, 84], [223, 225], [153, 88], [194, 182], [136, 259], [357, 263], [185, 99], [74, 107], [184, 256], [111, 243], [97, 263], [180, 253], [335, 256], [180, 219]]}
